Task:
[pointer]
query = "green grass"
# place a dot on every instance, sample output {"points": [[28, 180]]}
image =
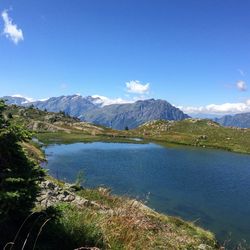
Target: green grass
{"points": [[128, 228], [70, 228], [103, 198], [118, 223], [198, 133]]}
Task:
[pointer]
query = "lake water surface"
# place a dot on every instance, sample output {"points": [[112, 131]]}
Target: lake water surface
{"points": [[211, 187]]}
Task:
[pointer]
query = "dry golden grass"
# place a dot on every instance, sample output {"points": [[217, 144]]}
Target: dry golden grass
{"points": [[130, 224]]}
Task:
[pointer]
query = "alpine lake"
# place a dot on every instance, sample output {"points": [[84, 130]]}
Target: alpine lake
{"points": [[209, 187]]}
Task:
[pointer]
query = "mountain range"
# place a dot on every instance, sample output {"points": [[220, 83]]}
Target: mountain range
{"points": [[239, 120], [94, 110], [118, 116]]}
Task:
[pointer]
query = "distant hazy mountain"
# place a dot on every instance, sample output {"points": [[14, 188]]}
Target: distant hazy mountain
{"points": [[15, 100], [205, 116], [74, 105], [134, 114], [238, 120], [117, 116]]}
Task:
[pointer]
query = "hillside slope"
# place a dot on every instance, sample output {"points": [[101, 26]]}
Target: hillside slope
{"points": [[196, 132], [51, 126]]}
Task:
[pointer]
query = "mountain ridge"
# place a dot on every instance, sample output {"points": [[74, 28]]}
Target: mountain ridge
{"points": [[118, 116], [241, 120]]}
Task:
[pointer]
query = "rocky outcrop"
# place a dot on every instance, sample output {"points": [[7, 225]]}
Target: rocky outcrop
{"points": [[51, 194]]}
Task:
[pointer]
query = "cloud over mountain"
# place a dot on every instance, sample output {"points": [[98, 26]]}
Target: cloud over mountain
{"points": [[225, 108], [104, 101], [136, 87]]}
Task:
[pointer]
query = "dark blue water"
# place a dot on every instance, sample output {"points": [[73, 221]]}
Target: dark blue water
{"points": [[211, 187]]}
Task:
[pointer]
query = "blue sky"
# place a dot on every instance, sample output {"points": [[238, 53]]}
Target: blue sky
{"points": [[194, 54]]}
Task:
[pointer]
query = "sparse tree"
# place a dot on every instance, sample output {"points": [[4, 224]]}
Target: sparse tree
{"points": [[31, 106]]}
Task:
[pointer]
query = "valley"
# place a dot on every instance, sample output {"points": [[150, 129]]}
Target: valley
{"points": [[204, 133], [59, 131]]}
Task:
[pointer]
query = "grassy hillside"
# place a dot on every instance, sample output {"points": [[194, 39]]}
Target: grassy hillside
{"points": [[196, 132], [57, 127], [54, 127]]}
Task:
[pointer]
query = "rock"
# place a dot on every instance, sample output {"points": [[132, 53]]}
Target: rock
{"points": [[46, 203], [81, 202], [204, 247], [65, 192], [73, 187], [202, 137], [69, 198], [94, 204], [49, 185], [50, 193], [103, 190], [43, 192], [41, 198], [60, 197], [49, 203]]}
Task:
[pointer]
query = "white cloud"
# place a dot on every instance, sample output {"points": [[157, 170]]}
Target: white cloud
{"points": [[241, 85], [29, 99], [104, 101], [10, 30], [43, 99], [220, 109], [137, 88]]}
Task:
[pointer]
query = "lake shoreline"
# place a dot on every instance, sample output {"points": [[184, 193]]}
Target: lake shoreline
{"points": [[178, 203], [63, 138]]}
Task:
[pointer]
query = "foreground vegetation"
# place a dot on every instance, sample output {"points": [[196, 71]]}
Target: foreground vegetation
{"points": [[112, 222], [19, 176]]}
